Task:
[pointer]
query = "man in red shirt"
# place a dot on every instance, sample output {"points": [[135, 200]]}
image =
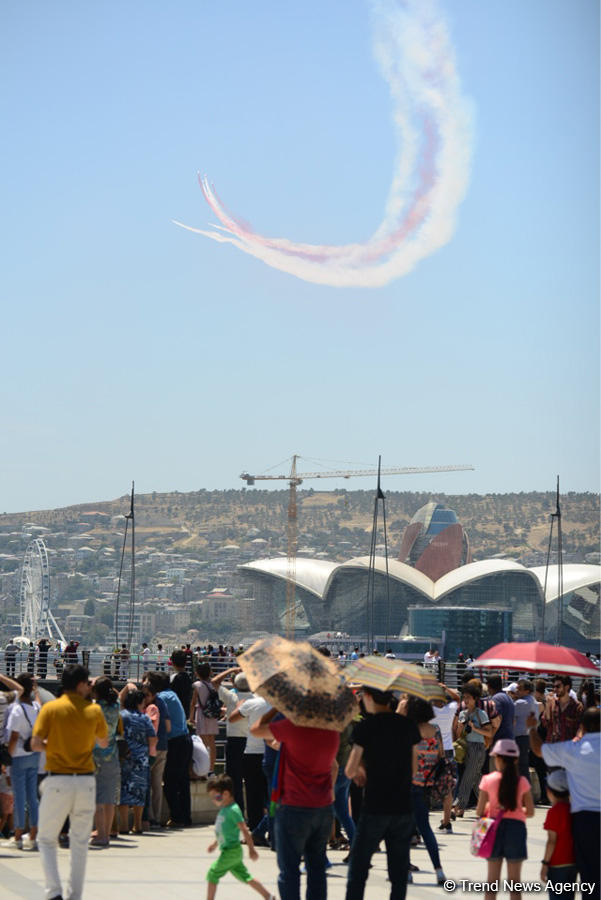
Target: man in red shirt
{"points": [[562, 713], [303, 820]]}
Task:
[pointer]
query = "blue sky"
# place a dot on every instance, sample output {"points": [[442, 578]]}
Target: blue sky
{"points": [[135, 350]]}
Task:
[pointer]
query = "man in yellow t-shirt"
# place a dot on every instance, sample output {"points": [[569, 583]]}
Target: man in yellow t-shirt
{"points": [[67, 729]]}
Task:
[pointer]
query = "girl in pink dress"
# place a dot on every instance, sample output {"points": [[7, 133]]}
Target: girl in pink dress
{"points": [[508, 792]]}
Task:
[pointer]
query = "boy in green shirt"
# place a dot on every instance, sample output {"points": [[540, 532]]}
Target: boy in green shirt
{"points": [[228, 825]]}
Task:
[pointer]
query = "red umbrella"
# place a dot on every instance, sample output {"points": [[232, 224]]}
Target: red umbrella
{"points": [[537, 657]]}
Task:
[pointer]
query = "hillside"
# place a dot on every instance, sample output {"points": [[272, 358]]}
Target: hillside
{"points": [[337, 523]]}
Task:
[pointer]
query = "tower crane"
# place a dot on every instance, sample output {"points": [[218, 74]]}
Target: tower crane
{"points": [[296, 478]]}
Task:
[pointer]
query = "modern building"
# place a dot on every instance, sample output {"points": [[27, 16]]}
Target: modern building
{"points": [[333, 597], [434, 587], [435, 542], [265, 581], [578, 605], [456, 629]]}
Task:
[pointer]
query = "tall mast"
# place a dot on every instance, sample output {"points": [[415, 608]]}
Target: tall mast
{"points": [[555, 516], [371, 573], [292, 535], [129, 517], [132, 596]]}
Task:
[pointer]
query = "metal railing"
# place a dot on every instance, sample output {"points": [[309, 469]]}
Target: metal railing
{"points": [[50, 667], [122, 669]]}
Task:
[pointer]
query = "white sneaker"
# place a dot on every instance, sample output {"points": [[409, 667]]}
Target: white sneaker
{"points": [[29, 843], [12, 844]]}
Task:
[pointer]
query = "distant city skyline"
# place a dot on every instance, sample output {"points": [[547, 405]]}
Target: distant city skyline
{"points": [[134, 350]]}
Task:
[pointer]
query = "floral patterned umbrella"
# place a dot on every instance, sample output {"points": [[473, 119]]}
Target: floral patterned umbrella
{"points": [[296, 679]]}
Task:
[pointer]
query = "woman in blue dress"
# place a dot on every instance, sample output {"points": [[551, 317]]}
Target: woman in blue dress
{"points": [[135, 769]]}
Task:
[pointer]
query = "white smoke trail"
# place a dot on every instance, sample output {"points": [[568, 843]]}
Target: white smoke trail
{"points": [[433, 128]]}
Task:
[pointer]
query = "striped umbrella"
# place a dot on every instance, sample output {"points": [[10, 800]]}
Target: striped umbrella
{"points": [[394, 675], [536, 656]]}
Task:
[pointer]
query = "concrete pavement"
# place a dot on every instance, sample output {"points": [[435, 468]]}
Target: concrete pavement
{"points": [[173, 864]]}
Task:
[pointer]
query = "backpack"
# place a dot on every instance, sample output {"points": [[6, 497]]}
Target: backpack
{"points": [[212, 707]]}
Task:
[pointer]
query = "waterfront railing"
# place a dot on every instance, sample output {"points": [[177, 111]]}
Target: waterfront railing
{"points": [[120, 669]]}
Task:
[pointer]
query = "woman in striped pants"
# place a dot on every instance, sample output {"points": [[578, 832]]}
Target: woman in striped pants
{"points": [[474, 724]]}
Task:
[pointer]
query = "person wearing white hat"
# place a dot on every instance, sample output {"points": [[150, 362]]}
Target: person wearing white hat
{"points": [[506, 793]]}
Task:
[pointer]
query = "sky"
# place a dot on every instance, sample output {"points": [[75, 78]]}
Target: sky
{"points": [[136, 350]]}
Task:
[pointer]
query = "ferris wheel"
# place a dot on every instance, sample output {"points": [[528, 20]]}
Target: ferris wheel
{"points": [[37, 620]]}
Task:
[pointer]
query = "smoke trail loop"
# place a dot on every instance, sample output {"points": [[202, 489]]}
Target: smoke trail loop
{"points": [[433, 127]]}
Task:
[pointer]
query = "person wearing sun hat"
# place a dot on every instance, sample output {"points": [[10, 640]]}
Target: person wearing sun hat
{"points": [[507, 793]]}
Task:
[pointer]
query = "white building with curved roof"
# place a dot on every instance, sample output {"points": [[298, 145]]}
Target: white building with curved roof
{"points": [[333, 596], [311, 574]]}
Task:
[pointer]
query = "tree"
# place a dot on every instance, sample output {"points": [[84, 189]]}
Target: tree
{"points": [[76, 588], [97, 634], [89, 608]]}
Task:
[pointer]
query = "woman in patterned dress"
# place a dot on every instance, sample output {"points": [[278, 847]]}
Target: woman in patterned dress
{"points": [[108, 772], [135, 769], [429, 751]]}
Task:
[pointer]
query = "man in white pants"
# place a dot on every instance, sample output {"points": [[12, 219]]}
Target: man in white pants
{"points": [[67, 730]]}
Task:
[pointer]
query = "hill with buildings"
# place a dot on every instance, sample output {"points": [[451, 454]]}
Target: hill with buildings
{"points": [[188, 547]]}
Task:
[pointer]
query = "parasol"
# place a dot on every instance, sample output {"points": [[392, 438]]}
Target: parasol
{"points": [[305, 686], [537, 656], [394, 675]]}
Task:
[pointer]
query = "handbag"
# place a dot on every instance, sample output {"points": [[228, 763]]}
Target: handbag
{"points": [[27, 741], [488, 738], [440, 781], [460, 749], [483, 836]]}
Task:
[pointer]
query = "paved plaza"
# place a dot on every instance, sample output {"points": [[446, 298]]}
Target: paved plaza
{"points": [[173, 864]]}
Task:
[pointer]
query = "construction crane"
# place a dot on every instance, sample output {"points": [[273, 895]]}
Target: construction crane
{"points": [[294, 479]]}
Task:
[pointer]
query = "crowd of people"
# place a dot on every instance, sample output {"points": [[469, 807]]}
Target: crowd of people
{"points": [[46, 659], [493, 749]]}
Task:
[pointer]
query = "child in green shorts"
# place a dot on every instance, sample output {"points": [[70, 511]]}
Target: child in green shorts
{"points": [[228, 825]]}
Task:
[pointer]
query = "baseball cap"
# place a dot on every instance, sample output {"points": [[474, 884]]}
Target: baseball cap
{"points": [[511, 688], [505, 747], [558, 781]]}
